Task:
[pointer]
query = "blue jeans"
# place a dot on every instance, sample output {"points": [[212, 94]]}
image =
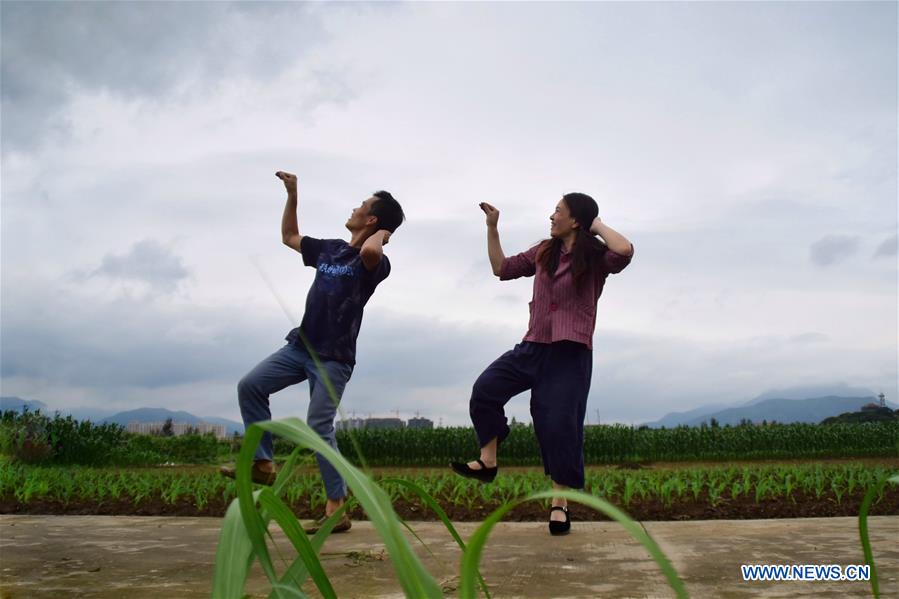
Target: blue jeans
{"points": [[290, 365]]}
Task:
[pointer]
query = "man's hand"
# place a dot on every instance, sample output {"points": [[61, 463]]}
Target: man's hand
{"points": [[491, 212], [290, 230], [290, 181], [373, 249]]}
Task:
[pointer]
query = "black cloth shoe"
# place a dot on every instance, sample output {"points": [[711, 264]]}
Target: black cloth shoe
{"points": [[559, 528], [485, 474]]}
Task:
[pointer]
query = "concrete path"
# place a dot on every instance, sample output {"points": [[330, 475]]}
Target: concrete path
{"points": [[135, 557]]}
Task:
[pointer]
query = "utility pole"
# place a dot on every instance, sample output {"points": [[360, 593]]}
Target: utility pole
{"points": [[882, 398]]}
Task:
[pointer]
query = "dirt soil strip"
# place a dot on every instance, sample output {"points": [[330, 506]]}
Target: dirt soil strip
{"points": [[111, 557], [800, 505]]}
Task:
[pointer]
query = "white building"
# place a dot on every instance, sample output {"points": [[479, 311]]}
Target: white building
{"points": [[350, 424], [178, 428]]}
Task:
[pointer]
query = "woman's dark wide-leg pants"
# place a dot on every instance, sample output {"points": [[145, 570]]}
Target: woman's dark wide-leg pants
{"points": [[558, 375]]}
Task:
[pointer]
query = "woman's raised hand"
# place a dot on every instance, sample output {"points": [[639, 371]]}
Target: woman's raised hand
{"points": [[491, 212]]}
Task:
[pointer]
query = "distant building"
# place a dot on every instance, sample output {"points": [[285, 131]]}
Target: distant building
{"points": [[383, 423], [178, 428], [870, 406], [350, 424], [360, 423], [418, 422]]}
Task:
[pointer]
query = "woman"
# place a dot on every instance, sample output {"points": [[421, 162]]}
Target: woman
{"points": [[555, 358]]}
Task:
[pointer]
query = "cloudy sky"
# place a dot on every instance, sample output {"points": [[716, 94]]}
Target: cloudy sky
{"points": [[748, 150]]}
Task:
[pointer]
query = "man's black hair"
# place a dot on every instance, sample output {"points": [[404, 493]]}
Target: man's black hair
{"points": [[388, 210]]}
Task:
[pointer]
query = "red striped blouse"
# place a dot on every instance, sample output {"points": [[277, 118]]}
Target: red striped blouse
{"points": [[558, 311]]}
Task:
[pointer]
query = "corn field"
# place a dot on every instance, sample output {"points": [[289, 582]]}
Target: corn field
{"points": [[610, 444], [713, 485]]}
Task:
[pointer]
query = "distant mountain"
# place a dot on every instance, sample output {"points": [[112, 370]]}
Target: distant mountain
{"points": [[161, 414], [836, 390], [18, 404], [697, 415], [123, 418], [92, 414], [811, 410], [673, 419]]}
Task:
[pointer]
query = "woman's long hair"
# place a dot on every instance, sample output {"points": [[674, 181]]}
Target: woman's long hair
{"points": [[587, 247]]}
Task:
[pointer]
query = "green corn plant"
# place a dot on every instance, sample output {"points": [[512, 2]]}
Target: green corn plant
{"points": [[762, 487], [837, 487], [431, 503], [667, 491], [735, 489], [789, 486], [472, 556], [629, 487], [696, 485], [412, 576], [863, 529]]}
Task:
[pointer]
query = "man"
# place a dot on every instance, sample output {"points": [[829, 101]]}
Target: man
{"points": [[347, 275]]}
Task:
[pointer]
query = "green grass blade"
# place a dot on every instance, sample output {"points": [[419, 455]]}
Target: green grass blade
{"points": [[233, 556], [284, 589], [432, 503], [297, 573], [252, 519], [414, 579], [286, 471], [235, 551], [863, 530], [472, 556], [288, 522], [420, 540]]}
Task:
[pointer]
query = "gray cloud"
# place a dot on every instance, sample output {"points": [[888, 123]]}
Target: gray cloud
{"points": [[51, 50], [809, 338], [427, 353], [889, 247], [207, 99], [637, 376], [62, 337], [147, 261], [833, 248], [132, 346], [129, 347]]}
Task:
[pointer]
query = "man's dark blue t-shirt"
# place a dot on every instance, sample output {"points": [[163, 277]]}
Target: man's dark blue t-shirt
{"points": [[338, 294]]}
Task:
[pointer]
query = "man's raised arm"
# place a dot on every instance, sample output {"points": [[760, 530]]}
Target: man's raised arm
{"points": [[373, 249], [290, 230]]}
